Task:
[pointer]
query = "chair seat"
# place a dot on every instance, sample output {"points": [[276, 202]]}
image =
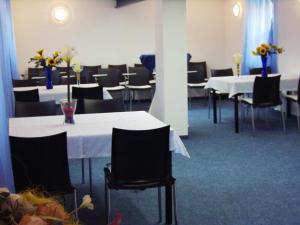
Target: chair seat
{"points": [[123, 83], [116, 88], [142, 87], [152, 81], [139, 185], [246, 100], [291, 97], [197, 84]]}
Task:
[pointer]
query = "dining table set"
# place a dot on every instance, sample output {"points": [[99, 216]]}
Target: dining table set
{"points": [[235, 86]]}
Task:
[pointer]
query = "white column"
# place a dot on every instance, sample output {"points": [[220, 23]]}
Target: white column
{"points": [[170, 101]]}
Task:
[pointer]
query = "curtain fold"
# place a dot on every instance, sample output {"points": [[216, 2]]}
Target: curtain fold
{"points": [[8, 71], [260, 28]]}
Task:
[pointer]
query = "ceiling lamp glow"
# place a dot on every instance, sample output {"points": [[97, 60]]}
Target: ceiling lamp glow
{"points": [[237, 8], [60, 14]]}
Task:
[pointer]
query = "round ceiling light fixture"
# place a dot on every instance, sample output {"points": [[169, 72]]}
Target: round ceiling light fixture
{"points": [[60, 14], [237, 9]]}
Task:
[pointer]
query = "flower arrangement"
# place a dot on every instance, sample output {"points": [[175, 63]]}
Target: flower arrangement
{"points": [[46, 62], [267, 49], [77, 68], [32, 208], [237, 58]]}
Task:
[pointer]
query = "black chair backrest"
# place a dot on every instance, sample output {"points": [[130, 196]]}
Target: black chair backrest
{"points": [[90, 71], [266, 91], [34, 72], [201, 74], [141, 155], [138, 65], [27, 96], [104, 106], [41, 162], [26, 109], [24, 83], [122, 69], [64, 80], [112, 78], [80, 93], [221, 72], [258, 70], [298, 94], [142, 76]]}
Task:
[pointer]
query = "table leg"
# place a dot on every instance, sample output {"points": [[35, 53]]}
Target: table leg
{"points": [[288, 108], [169, 215], [91, 176], [214, 98], [236, 113]]}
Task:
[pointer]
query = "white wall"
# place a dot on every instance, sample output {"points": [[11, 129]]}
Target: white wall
{"points": [[101, 33], [205, 26], [289, 36]]}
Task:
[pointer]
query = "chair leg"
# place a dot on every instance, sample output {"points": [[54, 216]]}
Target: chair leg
{"points": [[82, 171], [209, 103], [130, 101], [220, 109], [91, 176], [159, 205], [283, 119], [298, 115], [252, 116], [107, 202], [75, 203], [174, 205]]}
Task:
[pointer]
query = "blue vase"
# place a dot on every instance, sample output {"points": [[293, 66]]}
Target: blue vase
{"points": [[48, 72], [264, 60]]}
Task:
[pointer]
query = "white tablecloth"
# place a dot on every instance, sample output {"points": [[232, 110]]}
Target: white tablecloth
{"points": [[59, 92], [244, 84], [91, 135]]}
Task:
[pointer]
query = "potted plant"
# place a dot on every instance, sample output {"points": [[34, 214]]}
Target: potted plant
{"points": [[47, 63], [265, 50]]}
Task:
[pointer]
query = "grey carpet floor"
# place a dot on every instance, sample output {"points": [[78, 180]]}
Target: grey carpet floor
{"points": [[231, 179]]}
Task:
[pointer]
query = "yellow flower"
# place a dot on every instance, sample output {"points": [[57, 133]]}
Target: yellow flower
{"points": [[40, 52], [254, 53], [280, 50], [51, 61], [266, 46], [31, 197], [87, 202], [262, 51]]}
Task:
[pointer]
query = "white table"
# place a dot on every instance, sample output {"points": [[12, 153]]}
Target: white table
{"points": [[59, 91], [91, 135], [235, 85]]}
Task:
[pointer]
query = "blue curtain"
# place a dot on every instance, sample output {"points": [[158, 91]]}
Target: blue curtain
{"points": [[8, 71], [260, 28]]}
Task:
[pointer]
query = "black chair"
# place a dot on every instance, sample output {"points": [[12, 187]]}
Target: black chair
{"points": [[152, 78], [266, 94], [34, 72], [103, 106], [257, 70], [138, 82], [27, 109], [111, 81], [122, 69], [24, 83], [89, 71], [27, 96], [219, 73], [140, 159], [295, 98], [197, 79], [42, 162], [80, 93]]}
